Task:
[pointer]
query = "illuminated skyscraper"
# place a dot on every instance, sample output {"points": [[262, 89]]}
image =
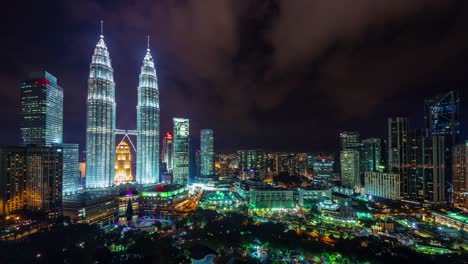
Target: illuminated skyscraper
{"points": [[398, 151], [100, 121], [148, 123], [123, 164], [41, 110], [167, 151], [442, 115], [350, 174], [207, 153], [349, 140], [71, 169], [181, 151], [371, 155], [323, 171]]}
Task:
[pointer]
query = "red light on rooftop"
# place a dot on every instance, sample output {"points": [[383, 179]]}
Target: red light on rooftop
{"points": [[160, 188]]}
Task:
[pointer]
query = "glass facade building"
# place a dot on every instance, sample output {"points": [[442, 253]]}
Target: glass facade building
{"points": [[181, 151], [41, 110], [350, 174], [167, 151], [371, 158], [148, 123], [71, 168], [323, 171], [100, 120], [207, 153], [398, 151]]}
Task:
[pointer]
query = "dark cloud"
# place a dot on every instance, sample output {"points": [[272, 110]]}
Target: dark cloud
{"points": [[255, 71]]}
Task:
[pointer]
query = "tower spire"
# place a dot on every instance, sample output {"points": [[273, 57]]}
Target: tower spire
{"points": [[148, 49], [102, 29]]}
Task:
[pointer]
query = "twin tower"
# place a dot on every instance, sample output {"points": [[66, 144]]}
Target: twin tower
{"points": [[100, 121]]}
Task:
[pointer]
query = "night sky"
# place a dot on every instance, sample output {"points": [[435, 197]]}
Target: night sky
{"points": [[280, 75]]}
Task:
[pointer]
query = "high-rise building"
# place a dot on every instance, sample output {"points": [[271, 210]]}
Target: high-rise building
{"points": [[398, 151], [123, 164], [44, 180], [383, 185], [371, 155], [349, 140], [247, 160], [100, 120], [41, 110], [31, 178], [460, 175], [323, 171], [167, 154], [350, 173], [301, 163], [71, 169], [207, 153], [442, 119], [12, 180], [442, 115], [181, 151], [148, 123], [421, 167], [439, 173]]}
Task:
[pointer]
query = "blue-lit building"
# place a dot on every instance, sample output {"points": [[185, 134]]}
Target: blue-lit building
{"points": [[207, 153], [41, 110], [100, 120], [147, 170], [442, 117], [442, 114], [71, 168], [181, 151]]}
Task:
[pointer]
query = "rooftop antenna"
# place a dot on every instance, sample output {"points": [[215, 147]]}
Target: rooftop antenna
{"points": [[102, 29], [148, 49]]}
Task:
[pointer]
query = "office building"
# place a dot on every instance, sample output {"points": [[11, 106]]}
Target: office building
{"points": [[371, 155], [181, 151], [71, 169], [247, 160], [442, 114], [349, 140], [350, 169], [439, 172], [323, 171], [442, 118], [398, 151], [147, 169], [460, 175], [100, 120], [167, 151], [41, 110], [207, 153], [383, 185], [91, 207], [421, 168]]}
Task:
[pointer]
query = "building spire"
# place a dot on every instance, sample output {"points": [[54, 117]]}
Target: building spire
{"points": [[102, 29], [148, 49]]}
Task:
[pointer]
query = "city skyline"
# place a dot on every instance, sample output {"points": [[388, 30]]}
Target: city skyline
{"points": [[313, 109], [302, 131]]}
